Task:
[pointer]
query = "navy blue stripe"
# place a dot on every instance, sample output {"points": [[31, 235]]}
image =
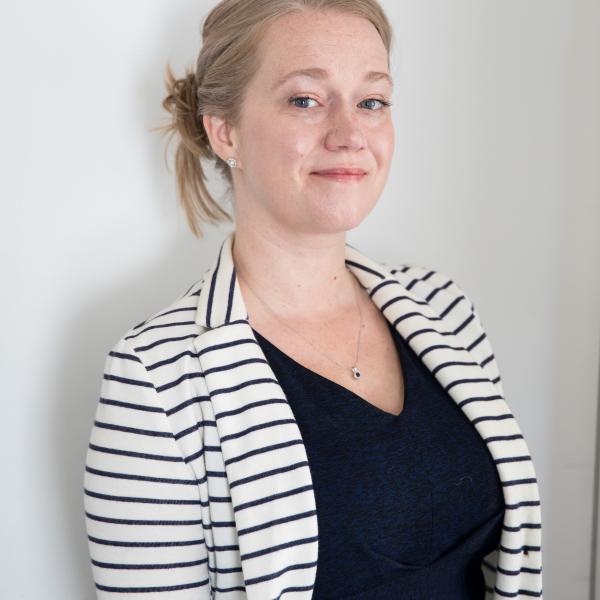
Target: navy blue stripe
{"points": [[271, 549], [150, 590], [186, 403], [159, 326], [168, 312], [173, 359], [256, 580], [127, 380], [464, 324], [422, 353], [512, 459], [470, 380], [190, 429], [477, 341], [397, 285], [143, 500], [249, 406], [241, 385], [297, 588], [523, 503], [216, 347], [130, 405], [116, 354], [503, 438], [230, 296], [479, 399], [517, 572], [526, 549], [239, 363], [519, 481], [451, 306], [487, 360], [492, 418], [267, 524], [165, 341], [254, 428], [436, 290], [363, 268], [122, 544], [172, 384], [141, 521], [266, 499], [135, 430], [179, 565], [135, 454], [264, 449], [517, 593], [141, 477], [286, 469], [523, 526], [466, 363]]}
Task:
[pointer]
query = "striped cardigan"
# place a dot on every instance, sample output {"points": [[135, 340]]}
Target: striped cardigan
{"points": [[197, 484]]}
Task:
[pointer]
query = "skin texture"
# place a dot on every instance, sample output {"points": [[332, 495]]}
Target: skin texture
{"points": [[290, 223]]}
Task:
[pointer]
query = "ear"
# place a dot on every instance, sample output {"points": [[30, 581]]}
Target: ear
{"points": [[221, 137]]}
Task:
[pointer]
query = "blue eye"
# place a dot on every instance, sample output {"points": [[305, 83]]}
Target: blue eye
{"points": [[383, 103], [295, 99]]}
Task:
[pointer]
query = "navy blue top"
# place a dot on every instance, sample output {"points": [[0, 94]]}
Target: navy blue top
{"points": [[408, 504]]}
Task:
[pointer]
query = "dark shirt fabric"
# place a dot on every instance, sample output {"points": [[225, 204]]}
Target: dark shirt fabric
{"points": [[408, 504]]}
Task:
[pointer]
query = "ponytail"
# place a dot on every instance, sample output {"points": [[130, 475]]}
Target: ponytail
{"points": [[186, 121]]}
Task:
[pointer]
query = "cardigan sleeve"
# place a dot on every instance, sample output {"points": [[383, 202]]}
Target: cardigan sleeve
{"points": [[142, 506]]}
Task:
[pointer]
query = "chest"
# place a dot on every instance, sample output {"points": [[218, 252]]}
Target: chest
{"points": [[331, 351]]}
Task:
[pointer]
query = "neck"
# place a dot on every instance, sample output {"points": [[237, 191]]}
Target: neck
{"points": [[300, 276]]}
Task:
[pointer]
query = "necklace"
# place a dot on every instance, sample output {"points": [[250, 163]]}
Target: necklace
{"points": [[354, 369]]}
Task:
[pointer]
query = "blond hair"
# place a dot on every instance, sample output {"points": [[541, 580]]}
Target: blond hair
{"points": [[225, 65]]}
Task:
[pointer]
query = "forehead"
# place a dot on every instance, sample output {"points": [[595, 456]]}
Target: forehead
{"points": [[328, 39]]}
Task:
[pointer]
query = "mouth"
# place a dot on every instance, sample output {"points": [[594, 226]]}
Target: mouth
{"points": [[341, 174]]}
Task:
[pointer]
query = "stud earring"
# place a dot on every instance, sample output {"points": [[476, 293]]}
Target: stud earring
{"points": [[232, 162]]}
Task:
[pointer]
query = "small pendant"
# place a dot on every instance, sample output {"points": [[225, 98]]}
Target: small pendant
{"points": [[356, 373]]}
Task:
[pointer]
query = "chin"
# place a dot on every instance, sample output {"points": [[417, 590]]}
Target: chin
{"points": [[339, 217]]}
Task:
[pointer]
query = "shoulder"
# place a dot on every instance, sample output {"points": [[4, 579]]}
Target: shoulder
{"points": [[155, 342], [455, 307], [429, 283]]}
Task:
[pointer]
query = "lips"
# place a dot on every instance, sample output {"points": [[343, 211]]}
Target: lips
{"points": [[341, 171], [342, 174]]}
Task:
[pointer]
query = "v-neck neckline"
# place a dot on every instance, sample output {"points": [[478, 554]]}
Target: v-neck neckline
{"points": [[339, 387]]}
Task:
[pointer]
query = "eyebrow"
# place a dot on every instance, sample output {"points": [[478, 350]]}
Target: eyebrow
{"points": [[317, 73]]}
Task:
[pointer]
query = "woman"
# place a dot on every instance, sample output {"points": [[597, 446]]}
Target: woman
{"points": [[304, 422]]}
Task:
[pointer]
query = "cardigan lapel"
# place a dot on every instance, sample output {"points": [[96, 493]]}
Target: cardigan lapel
{"points": [[253, 416]]}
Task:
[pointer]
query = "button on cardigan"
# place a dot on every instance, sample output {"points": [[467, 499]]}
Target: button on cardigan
{"points": [[407, 505], [197, 483]]}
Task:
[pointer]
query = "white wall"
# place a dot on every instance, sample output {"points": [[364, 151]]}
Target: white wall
{"points": [[497, 115]]}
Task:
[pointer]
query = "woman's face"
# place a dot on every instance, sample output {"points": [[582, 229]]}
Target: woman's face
{"points": [[330, 117]]}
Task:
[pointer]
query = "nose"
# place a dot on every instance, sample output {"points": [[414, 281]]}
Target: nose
{"points": [[344, 130]]}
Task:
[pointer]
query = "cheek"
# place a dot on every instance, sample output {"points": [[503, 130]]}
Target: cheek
{"points": [[293, 146], [382, 144], [280, 140]]}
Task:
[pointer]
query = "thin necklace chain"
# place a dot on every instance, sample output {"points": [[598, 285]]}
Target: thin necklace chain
{"points": [[355, 372]]}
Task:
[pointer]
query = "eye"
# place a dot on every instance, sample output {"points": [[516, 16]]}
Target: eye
{"points": [[295, 99], [300, 98], [384, 103]]}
